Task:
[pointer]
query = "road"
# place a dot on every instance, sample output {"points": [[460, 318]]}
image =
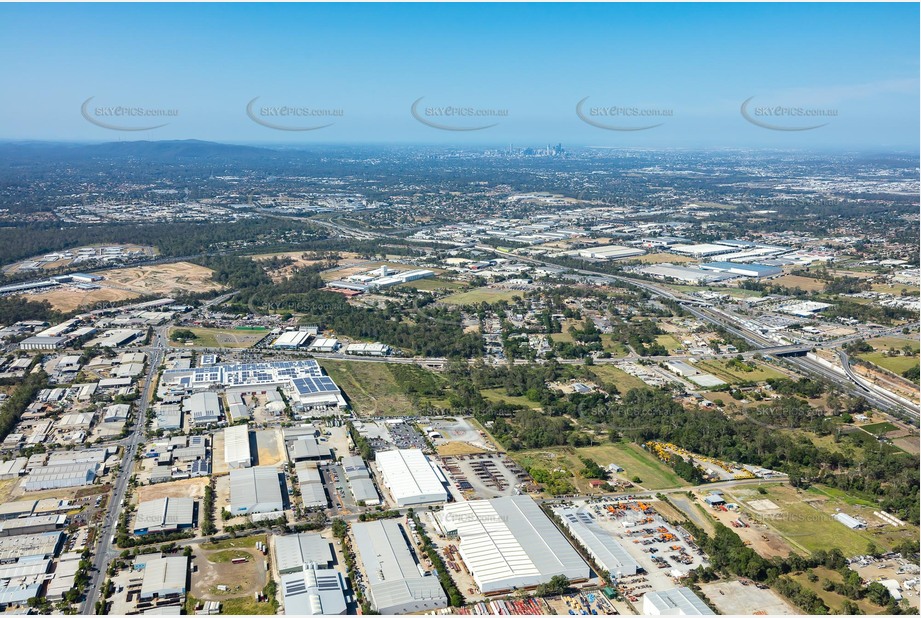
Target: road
{"points": [[105, 552]]}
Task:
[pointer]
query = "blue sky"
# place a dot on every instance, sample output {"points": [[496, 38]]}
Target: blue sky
{"points": [[698, 63]]}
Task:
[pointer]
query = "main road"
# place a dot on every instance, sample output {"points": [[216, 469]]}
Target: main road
{"points": [[105, 533]]}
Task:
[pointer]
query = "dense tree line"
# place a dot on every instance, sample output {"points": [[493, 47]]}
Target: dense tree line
{"points": [[19, 308], [14, 406]]}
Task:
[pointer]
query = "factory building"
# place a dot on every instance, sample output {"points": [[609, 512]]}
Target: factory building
{"points": [[394, 579], [360, 483], [169, 417], [607, 252], [308, 448], [411, 478], [683, 273], [165, 578], [314, 591], [61, 476], [702, 250], [35, 524], [255, 490], [310, 481], [508, 544], [603, 548], [744, 270], [674, 602], [203, 408], [236, 447], [324, 344], [293, 551], [291, 340], [164, 515], [368, 349]]}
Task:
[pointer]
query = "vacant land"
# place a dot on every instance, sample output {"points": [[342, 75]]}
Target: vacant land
{"points": [[479, 295], [68, 298], [732, 598], [895, 343], [499, 394], [896, 364], [221, 337], [186, 488], [432, 284], [636, 462], [808, 284], [879, 429], [609, 374], [721, 369], [370, 387], [831, 598], [162, 278], [668, 342]]}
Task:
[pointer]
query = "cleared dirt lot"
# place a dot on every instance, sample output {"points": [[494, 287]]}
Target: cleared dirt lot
{"points": [[162, 278], [69, 298], [186, 488], [734, 598], [215, 568], [269, 447]]}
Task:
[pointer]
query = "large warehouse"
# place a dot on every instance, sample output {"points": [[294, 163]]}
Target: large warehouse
{"points": [[394, 581], [164, 515], [203, 408], [604, 549], [745, 270], [314, 591], [236, 447], [293, 551], [255, 490], [411, 478], [165, 578], [508, 543], [674, 602], [303, 379]]}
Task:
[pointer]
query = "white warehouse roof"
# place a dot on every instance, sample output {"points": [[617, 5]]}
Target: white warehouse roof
{"points": [[236, 447], [509, 543], [165, 577], [675, 602], [395, 582], [255, 490], [410, 477], [600, 545], [164, 514], [293, 551]]}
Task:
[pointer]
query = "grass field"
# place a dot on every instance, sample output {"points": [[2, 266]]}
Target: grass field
{"points": [[228, 555], [805, 520], [246, 606], [616, 348], [720, 369], [479, 295], [432, 284], [221, 337], [809, 284], [634, 460], [609, 374], [879, 429], [831, 598], [498, 394], [897, 343], [248, 541], [370, 387], [896, 288], [895, 364], [669, 343]]}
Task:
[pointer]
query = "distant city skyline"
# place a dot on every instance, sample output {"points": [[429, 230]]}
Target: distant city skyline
{"points": [[785, 76]]}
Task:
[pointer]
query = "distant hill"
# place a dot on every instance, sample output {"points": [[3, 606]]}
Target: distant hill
{"points": [[153, 151]]}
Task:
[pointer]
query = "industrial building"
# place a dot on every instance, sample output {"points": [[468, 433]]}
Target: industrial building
{"points": [[203, 408], [674, 602], [303, 379], [293, 551], [255, 490], [291, 340], [61, 476], [804, 309], [368, 349], [314, 591], [164, 515], [603, 548], [323, 344], [165, 578], [410, 477], [360, 483], [236, 447], [744, 270], [508, 543], [35, 524], [683, 273], [607, 252], [851, 522], [702, 250], [393, 576], [308, 448], [310, 481], [169, 416]]}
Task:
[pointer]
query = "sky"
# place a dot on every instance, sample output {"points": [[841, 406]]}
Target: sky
{"points": [[815, 76]]}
